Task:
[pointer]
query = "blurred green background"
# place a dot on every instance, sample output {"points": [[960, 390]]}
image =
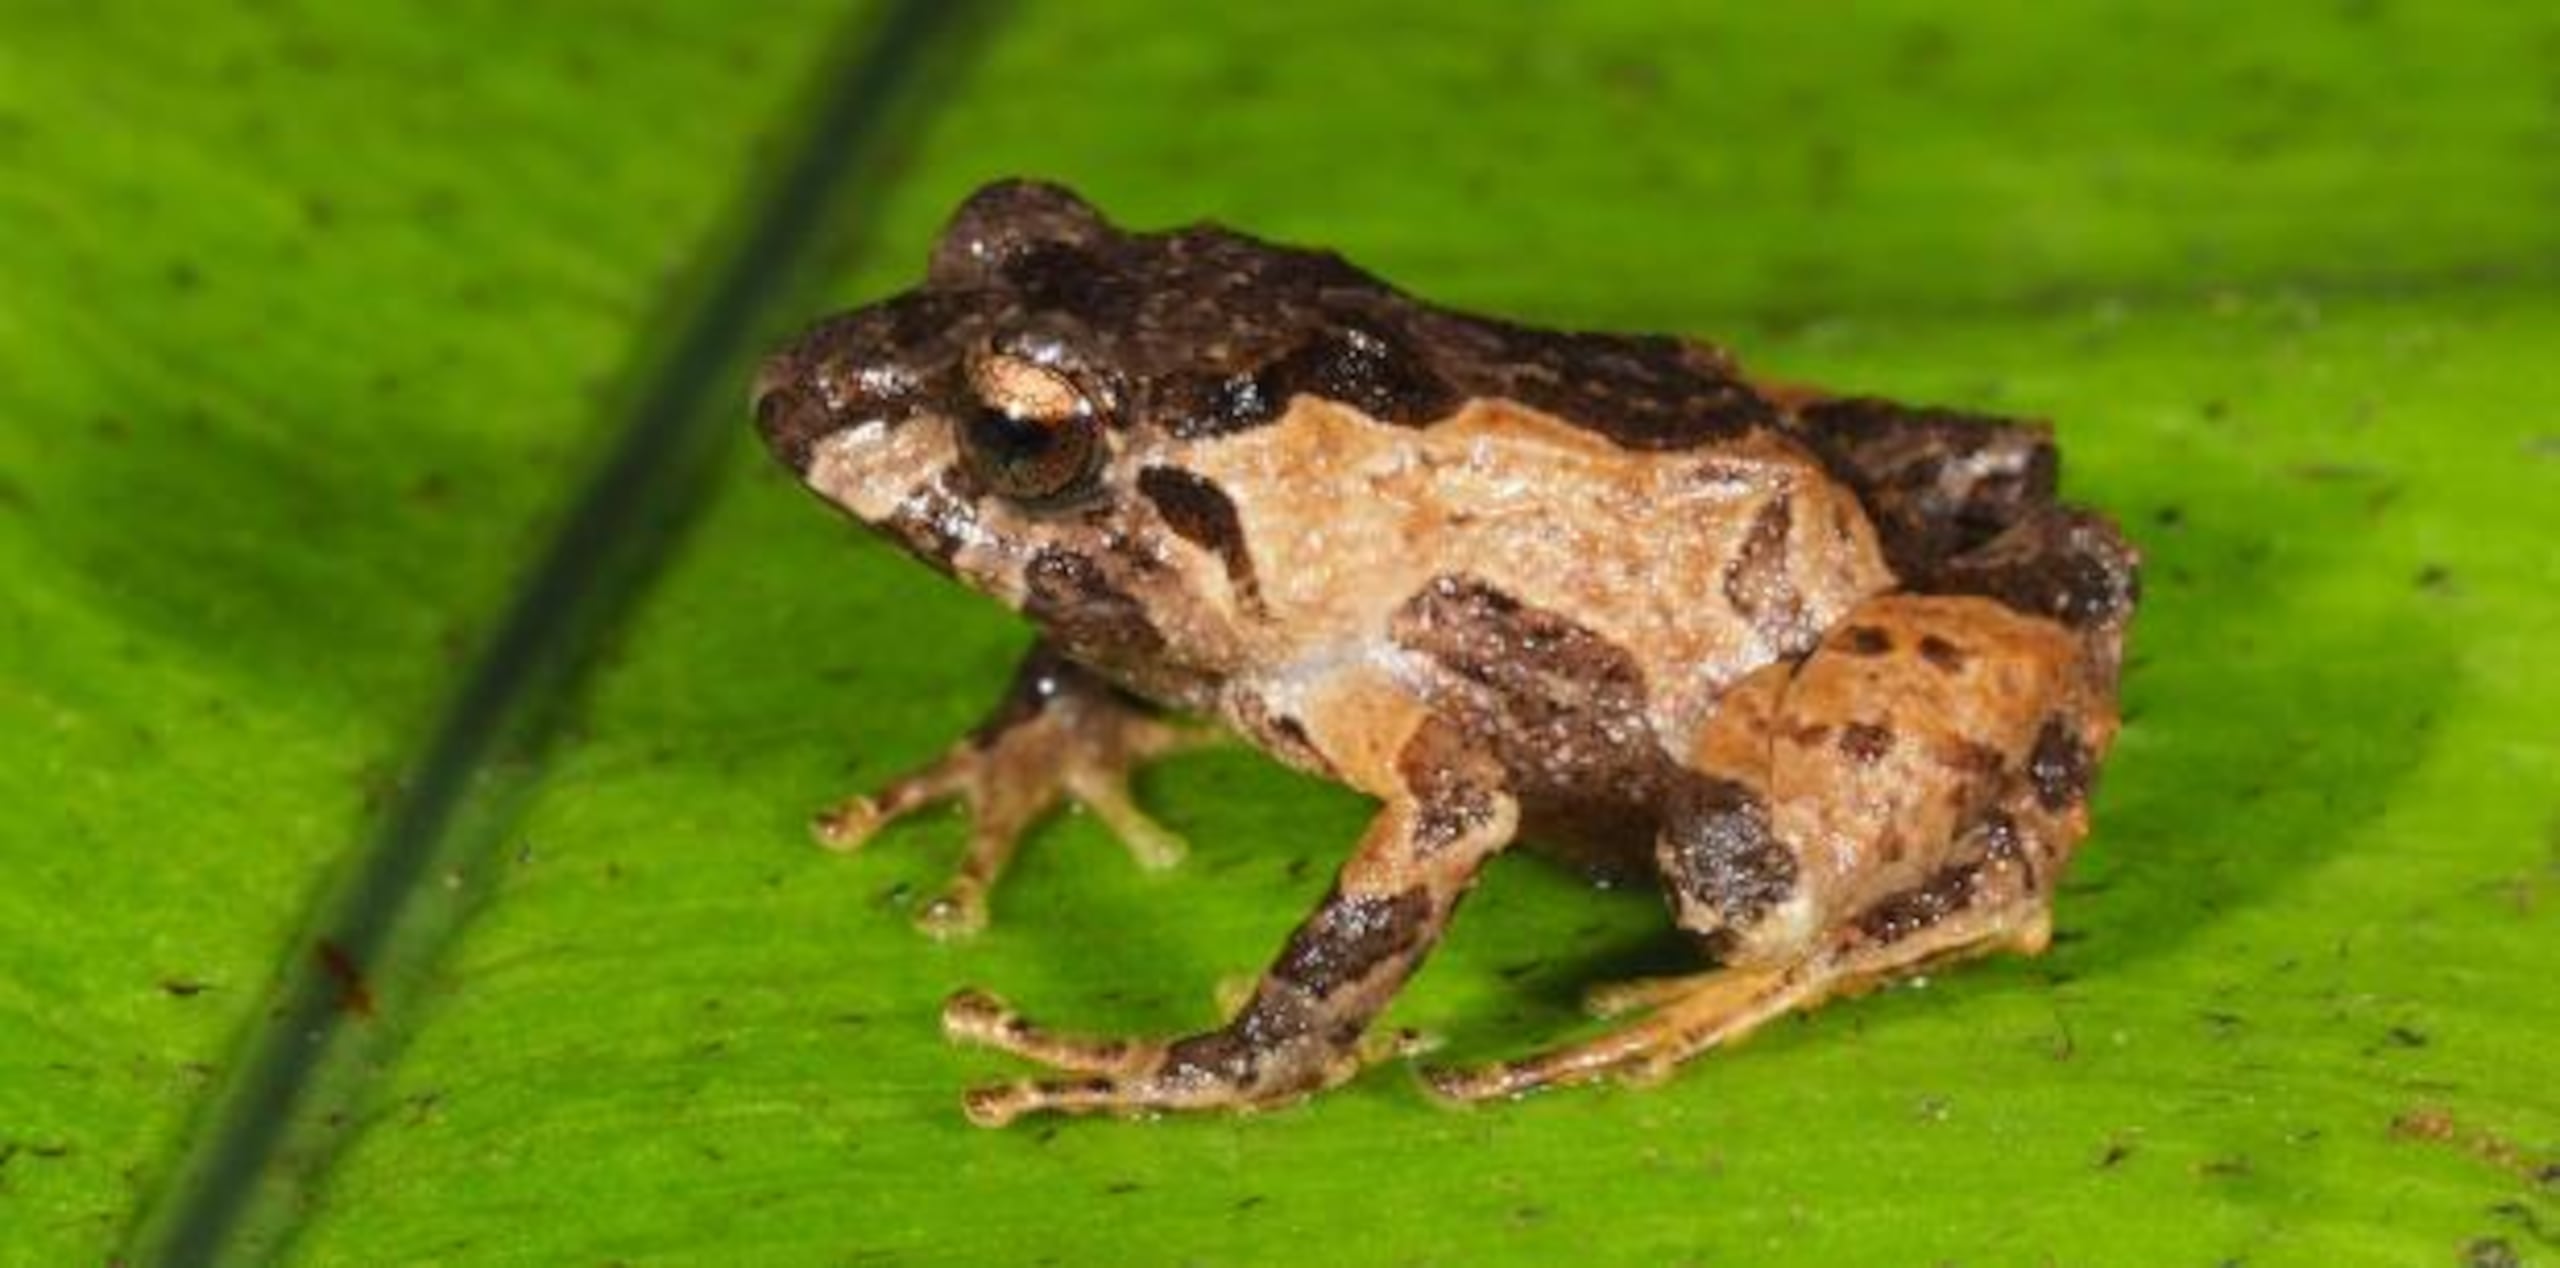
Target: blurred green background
{"points": [[314, 318]]}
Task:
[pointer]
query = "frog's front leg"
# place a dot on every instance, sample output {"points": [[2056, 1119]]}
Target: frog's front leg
{"points": [[1301, 1029], [1059, 732]]}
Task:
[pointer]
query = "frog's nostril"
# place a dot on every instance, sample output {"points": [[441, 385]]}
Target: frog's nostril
{"points": [[771, 378], [784, 411]]}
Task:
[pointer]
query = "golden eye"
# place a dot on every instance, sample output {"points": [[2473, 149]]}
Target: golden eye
{"points": [[1029, 460], [1031, 433]]}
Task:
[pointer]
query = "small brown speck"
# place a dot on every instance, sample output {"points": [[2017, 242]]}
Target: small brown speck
{"points": [[1868, 640], [2230, 1168], [355, 995], [1865, 741]]}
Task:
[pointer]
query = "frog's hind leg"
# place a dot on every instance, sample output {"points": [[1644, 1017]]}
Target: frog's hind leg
{"points": [[1903, 796], [1060, 732], [1684, 1016]]}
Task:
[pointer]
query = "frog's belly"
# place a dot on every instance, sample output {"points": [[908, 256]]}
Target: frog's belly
{"points": [[1505, 551]]}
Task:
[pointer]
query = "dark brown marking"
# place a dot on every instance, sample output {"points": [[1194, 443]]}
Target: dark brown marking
{"points": [[1561, 707], [1279, 734], [1278, 1015], [1195, 406], [1648, 392], [1068, 278], [1756, 580], [1452, 786], [1205, 331], [1005, 218], [1941, 653], [877, 363], [1937, 482], [1944, 893], [1202, 514], [1219, 1056], [1072, 598], [1350, 937], [1866, 640], [1212, 331], [2058, 766], [1365, 368], [2064, 565], [1865, 742], [1718, 851]]}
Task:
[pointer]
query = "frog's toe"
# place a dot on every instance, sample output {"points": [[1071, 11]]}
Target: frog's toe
{"points": [[959, 911], [999, 1104], [1687, 1016], [845, 826], [1158, 1091], [1617, 999], [848, 824], [978, 1019], [1105, 792], [1231, 1069]]}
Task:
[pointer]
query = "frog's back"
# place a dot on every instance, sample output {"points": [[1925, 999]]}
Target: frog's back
{"points": [[1538, 573]]}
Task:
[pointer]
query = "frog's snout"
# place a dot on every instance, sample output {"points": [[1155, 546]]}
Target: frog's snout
{"points": [[787, 412]]}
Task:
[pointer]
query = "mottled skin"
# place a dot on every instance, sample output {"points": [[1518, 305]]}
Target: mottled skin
{"points": [[1837, 672]]}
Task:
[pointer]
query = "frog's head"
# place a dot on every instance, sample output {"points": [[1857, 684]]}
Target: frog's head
{"points": [[1021, 420]]}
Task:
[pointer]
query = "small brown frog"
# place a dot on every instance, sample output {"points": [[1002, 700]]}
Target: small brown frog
{"points": [[1837, 672]]}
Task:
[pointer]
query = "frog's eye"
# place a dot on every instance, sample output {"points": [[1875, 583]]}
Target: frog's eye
{"points": [[1031, 434]]}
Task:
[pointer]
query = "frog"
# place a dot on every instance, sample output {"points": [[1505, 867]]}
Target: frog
{"points": [[1835, 673]]}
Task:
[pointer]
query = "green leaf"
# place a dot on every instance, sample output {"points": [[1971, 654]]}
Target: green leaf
{"points": [[305, 319]]}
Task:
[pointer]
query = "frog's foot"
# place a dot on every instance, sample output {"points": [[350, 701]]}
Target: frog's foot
{"points": [[1617, 999], [1302, 1027], [1697, 1014], [1224, 1069], [1059, 733], [1685, 1016]]}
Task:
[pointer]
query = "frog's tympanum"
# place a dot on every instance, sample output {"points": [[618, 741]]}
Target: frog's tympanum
{"points": [[1836, 672]]}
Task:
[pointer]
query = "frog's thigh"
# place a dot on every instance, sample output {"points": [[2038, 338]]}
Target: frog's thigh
{"points": [[1300, 1030], [1866, 769]]}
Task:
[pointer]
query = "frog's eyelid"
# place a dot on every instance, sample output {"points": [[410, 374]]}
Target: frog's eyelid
{"points": [[1027, 391]]}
